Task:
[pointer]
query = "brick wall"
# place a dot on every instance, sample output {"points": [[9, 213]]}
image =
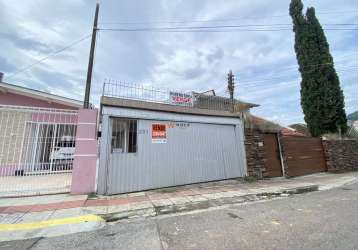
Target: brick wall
{"points": [[341, 155], [255, 153]]}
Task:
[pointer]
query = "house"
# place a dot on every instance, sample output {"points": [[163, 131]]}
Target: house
{"points": [[209, 100], [290, 132], [180, 138], [37, 130], [15, 95]]}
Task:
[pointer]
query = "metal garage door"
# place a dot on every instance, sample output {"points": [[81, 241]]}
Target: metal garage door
{"points": [[140, 158]]}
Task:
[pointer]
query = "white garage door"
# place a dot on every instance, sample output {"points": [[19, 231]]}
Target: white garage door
{"points": [[145, 155]]}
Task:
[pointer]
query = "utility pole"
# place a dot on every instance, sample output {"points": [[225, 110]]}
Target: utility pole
{"points": [[91, 58], [231, 87]]}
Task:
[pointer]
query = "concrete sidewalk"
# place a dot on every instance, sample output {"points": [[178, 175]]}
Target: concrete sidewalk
{"points": [[44, 216]]}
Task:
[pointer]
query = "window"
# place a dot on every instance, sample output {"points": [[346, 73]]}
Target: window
{"points": [[124, 136]]}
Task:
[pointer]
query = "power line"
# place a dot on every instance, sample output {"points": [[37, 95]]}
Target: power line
{"points": [[279, 86], [218, 28], [48, 56], [262, 82], [272, 85], [189, 30], [288, 83], [202, 20], [296, 67], [236, 26], [289, 68]]}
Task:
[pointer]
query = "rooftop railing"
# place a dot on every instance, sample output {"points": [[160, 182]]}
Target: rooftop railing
{"points": [[193, 99]]}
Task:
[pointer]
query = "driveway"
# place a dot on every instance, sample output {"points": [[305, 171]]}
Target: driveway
{"points": [[35, 184], [319, 220]]}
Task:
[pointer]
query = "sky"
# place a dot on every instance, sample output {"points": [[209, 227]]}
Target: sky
{"points": [[263, 62]]}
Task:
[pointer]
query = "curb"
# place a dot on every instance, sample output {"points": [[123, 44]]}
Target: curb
{"points": [[201, 205], [301, 190]]}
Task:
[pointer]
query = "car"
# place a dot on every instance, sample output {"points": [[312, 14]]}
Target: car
{"points": [[63, 153]]}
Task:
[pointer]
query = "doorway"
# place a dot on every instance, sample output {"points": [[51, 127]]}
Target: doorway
{"points": [[272, 156]]}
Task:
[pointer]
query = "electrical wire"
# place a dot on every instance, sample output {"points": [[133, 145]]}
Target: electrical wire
{"points": [[188, 28], [48, 56], [201, 20], [287, 83], [260, 83], [218, 28]]}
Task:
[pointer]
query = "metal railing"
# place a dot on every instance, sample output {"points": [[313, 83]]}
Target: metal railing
{"points": [[128, 91], [34, 144]]}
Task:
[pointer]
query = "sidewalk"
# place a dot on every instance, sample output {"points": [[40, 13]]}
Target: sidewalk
{"points": [[52, 215]]}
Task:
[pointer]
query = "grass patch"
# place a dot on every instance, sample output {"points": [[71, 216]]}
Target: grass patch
{"points": [[167, 190], [249, 179], [92, 196]]}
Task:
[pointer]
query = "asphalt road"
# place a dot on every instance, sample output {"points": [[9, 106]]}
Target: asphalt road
{"points": [[319, 220]]}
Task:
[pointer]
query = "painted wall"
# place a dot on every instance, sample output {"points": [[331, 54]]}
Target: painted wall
{"points": [[85, 162], [20, 100]]}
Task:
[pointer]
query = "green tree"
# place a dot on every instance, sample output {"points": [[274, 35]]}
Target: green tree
{"points": [[322, 98]]}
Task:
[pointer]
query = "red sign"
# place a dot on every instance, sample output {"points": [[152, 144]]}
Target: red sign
{"points": [[159, 133], [181, 99]]}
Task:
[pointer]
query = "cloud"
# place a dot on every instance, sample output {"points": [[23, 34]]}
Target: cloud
{"points": [[264, 62]]}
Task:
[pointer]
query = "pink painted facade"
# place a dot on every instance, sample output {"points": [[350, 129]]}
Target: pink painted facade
{"points": [[85, 162], [7, 98]]}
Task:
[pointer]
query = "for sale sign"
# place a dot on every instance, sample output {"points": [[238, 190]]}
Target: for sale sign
{"points": [[181, 99], [159, 133]]}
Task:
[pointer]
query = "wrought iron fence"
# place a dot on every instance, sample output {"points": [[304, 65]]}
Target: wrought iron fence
{"points": [[206, 100], [36, 142]]}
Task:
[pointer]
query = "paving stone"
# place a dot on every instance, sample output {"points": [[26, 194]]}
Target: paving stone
{"points": [[179, 200], [137, 194], [164, 202], [196, 198]]}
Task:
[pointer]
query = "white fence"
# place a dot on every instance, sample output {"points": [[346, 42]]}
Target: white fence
{"points": [[37, 148]]}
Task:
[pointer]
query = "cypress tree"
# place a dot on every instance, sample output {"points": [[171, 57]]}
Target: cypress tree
{"points": [[322, 98]]}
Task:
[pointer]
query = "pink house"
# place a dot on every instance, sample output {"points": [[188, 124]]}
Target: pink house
{"points": [[20, 96], [37, 131], [48, 143]]}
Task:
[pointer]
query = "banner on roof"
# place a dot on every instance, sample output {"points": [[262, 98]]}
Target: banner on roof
{"points": [[181, 99]]}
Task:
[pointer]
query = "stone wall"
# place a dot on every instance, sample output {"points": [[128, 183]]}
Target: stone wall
{"points": [[255, 153], [341, 155]]}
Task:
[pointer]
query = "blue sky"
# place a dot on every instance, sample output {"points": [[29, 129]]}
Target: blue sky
{"points": [[264, 62]]}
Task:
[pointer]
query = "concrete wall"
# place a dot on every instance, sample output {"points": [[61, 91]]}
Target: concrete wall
{"points": [[341, 155]]}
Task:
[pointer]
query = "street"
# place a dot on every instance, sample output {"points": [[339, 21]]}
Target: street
{"points": [[318, 220]]}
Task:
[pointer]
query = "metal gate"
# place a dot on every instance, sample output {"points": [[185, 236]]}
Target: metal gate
{"points": [[36, 150], [146, 154], [303, 155], [272, 156]]}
